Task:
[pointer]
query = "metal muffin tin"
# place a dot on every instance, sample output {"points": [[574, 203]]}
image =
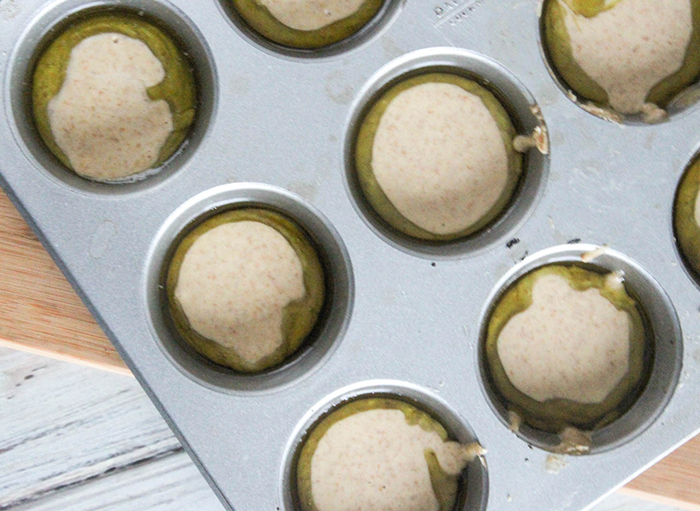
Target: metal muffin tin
{"points": [[275, 127]]}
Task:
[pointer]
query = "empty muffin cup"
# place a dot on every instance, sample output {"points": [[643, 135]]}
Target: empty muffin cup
{"points": [[113, 95], [245, 288], [435, 158], [382, 452], [624, 57], [567, 346], [305, 24]]}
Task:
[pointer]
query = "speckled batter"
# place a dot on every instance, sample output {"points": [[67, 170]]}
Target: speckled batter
{"points": [[439, 157], [375, 460], [630, 48], [568, 344], [234, 284], [102, 118], [311, 14]]}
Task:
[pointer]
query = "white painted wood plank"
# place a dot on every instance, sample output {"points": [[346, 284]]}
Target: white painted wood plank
{"points": [[168, 484], [77, 439], [62, 425]]}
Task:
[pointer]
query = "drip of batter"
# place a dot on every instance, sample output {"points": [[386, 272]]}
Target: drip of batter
{"points": [[568, 344], [439, 157], [234, 284], [102, 118], [376, 460], [310, 15], [631, 47]]}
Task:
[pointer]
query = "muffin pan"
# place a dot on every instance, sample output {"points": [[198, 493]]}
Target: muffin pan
{"points": [[275, 129]]}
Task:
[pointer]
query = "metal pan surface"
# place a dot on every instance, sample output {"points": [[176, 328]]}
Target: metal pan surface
{"points": [[275, 128]]}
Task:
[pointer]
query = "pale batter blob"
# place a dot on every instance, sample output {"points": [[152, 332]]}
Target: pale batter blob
{"points": [[102, 118], [439, 157], [630, 48], [310, 15], [375, 461], [568, 344], [234, 283]]}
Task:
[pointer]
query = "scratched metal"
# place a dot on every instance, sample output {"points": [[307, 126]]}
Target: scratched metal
{"points": [[405, 318]]}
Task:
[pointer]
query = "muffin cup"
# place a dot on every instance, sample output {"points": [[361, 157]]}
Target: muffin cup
{"points": [[664, 332], [675, 96], [55, 18], [334, 316], [685, 228], [272, 36], [525, 116], [473, 494]]}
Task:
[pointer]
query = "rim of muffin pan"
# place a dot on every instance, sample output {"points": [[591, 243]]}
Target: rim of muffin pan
{"points": [[46, 25], [664, 331], [525, 115], [333, 320], [472, 497]]}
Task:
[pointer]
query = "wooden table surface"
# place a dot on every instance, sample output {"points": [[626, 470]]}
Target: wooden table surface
{"points": [[40, 313]]}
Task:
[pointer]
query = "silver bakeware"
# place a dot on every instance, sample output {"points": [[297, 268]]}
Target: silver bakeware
{"points": [[275, 127]]}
